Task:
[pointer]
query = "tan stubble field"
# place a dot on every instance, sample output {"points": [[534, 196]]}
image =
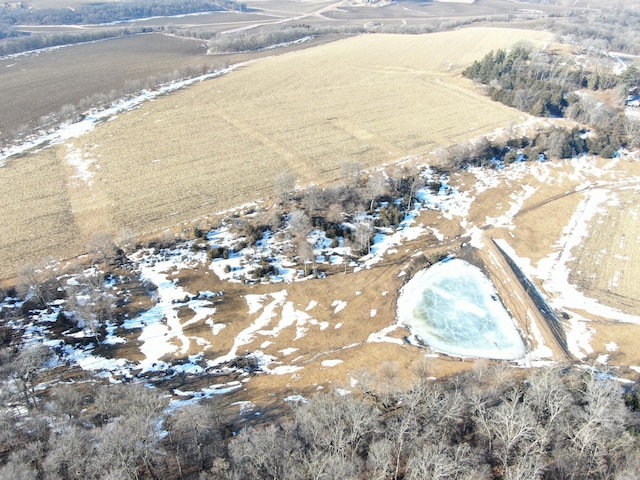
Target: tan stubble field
{"points": [[372, 99]]}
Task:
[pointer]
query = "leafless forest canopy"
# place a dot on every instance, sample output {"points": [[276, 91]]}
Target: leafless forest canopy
{"points": [[492, 423]]}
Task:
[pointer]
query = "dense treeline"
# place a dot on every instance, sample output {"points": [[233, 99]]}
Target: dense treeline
{"points": [[256, 41], [613, 29], [490, 423], [545, 84], [21, 43], [7, 31], [105, 12], [554, 143], [16, 41], [542, 83]]}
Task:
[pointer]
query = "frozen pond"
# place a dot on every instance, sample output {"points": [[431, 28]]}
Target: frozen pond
{"points": [[454, 308]]}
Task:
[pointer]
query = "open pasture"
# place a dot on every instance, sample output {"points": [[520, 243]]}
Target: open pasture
{"points": [[323, 332], [371, 99]]}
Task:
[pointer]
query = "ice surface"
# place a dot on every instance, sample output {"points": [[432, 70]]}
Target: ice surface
{"points": [[453, 307]]}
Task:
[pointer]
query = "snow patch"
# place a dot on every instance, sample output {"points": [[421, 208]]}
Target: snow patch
{"points": [[611, 346], [331, 363], [339, 305]]}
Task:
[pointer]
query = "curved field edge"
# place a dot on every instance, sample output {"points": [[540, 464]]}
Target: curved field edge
{"points": [[372, 99]]}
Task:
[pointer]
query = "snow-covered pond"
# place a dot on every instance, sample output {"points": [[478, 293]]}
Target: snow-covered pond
{"points": [[454, 308]]}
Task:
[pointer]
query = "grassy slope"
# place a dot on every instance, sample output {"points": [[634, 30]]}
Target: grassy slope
{"points": [[372, 99]]}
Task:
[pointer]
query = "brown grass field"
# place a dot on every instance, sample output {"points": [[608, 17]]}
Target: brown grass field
{"points": [[36, 85], [371, 99], [535, 232]]}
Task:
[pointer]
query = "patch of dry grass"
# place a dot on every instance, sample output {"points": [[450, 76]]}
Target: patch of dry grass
{"points": [[35, 212]]}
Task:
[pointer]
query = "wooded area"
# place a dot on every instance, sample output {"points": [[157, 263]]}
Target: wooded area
{"points": [[14, 39], [110, 12], [548, 85], [491, 423]]}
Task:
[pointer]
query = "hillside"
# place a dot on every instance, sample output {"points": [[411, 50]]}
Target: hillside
{"points": [[224, 142]]}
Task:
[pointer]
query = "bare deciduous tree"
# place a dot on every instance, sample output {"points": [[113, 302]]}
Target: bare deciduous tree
{"points": [[305, 253], [133, 438], [334, 213], [632, 131], [548, 397], [71, 453], [351, 172], [524, 99], [195, 434], [285, 185], [102, 247], [91, 302], [127, 240], [300, 223], [380, 459], [362, 237], [18, 469], [338, 425], [437, 461], [66, 400], [264, 453], [598, 438], [512, 428], [26, 368], [375, 187], [313, 199], [30, 283]]}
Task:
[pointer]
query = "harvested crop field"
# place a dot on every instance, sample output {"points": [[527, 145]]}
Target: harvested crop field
{"points": [[572, 227], [600, 262], [372, 99], [38, 84]]}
